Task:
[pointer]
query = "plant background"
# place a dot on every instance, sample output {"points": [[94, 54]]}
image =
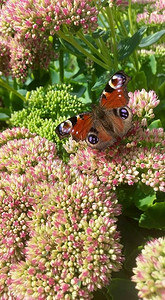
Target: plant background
{"points": [[70, 64]]}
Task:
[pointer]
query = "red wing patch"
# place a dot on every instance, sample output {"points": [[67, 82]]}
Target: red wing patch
{"points": [[115, 93], [118, 98], [81, 128]]}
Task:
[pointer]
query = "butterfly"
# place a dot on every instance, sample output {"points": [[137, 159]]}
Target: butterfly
{"points": [[107, 122]]}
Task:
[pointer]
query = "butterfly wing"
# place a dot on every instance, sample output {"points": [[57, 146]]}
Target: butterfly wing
{"points": [[106, 130], [108, 121], [115, 93], [77, 126], [98, 137]]}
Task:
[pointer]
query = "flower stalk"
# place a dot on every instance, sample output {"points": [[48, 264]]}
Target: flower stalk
{"points": [[10, 89]]}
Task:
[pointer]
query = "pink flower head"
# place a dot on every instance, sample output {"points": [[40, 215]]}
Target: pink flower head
{"points": [[139, 156], [69, 252], [142, 103], [47, 237], [27, 25], [149, 273], [153, 13], [26, 164]]}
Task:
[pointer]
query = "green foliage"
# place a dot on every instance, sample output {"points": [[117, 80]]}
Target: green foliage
{"points": [[45, 108], [122, 289], [150, 206], [127, 46], [151, 39], [153, 217]]}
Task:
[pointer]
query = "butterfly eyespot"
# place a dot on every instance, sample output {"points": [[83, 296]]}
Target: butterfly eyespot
{"points": [[117, 81], [93, 139], [65, 127], [123, 113]]}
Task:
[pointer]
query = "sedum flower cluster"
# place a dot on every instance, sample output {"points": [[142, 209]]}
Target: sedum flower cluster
{"points": [[142, 104], [44, 108], [27, 25], [149, 273], [157, 50], [58, 237], [153, 12], [139, 157]]}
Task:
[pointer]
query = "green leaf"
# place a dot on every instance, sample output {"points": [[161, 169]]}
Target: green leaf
{"points": [[160, 196], [131, 235], [41, 78], [153, 64], [54, 75], [4, 117], [151, 39], [127, 46], [101, 81], [155, 124], [138, 82], [122, 289], [145, 202], [161, 90], [78, 90], [5, 110], [143, 196], [17, 102], [101, 294], [129, 263], [98, 33], [125, 195], [71, 48], [154, 217], [146, 189]]}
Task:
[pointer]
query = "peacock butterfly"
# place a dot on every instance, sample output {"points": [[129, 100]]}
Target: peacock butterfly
{"points": [[107, 122]]}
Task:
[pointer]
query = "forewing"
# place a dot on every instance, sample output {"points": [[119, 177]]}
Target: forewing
{"points": [[115, 93], [77, 126]]}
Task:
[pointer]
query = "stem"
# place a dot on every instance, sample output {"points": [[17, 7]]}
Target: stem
{"points": [[102, 46], [111, 24], [105, 16], [129, 17], [121, 27], [92, 94], [61, 64], [123, 31], [93, 49], [73, 42], [134, 54], [102, 21], [9, 88]]}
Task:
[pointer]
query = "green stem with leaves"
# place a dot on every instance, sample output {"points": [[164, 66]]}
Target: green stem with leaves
{"points": [[101, 45], [136, 64], [112, 26], [130, 17], [10, 89], [120, 24], [67, 37], [92, 48]]}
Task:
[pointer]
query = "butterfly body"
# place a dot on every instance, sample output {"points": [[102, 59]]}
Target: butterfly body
{"points": [[107, 122]]}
